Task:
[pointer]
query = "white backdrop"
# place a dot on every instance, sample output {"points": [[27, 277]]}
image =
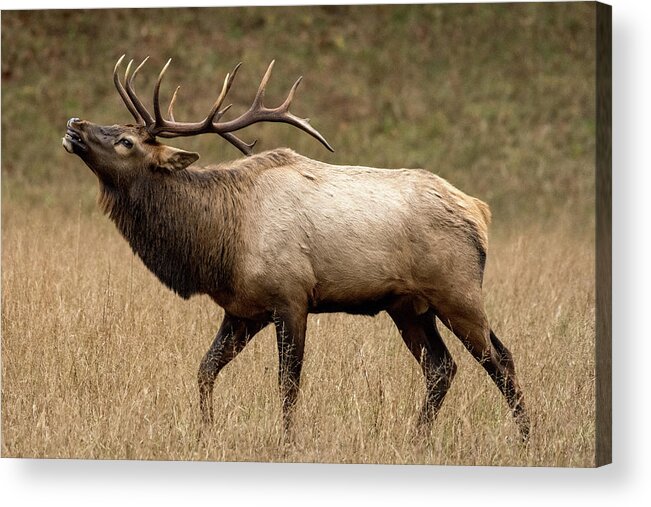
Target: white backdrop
{"points": [[627, 481]]}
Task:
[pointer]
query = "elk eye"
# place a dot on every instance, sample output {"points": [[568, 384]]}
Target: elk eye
{"points": [[127, 143]]}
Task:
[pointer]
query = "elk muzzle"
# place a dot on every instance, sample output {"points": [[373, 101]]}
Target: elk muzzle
{"points": [[73, 141]]}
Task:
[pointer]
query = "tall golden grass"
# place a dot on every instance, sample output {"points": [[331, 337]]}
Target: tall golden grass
{"points": [[99, 361]]}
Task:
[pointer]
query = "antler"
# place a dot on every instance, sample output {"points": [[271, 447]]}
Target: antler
{"points": [[257, 112]]}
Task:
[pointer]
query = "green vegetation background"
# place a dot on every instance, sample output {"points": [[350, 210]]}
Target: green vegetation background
{"points": [[499, 99]]}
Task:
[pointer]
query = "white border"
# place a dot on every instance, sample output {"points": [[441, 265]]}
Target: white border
{"points": [[70, 482]]}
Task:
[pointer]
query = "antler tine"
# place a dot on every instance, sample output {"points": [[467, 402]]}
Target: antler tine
{"points": [[233, 74], [123, 92], [157, 115], [229, 82], [214, 110], [126, 72], [142, 110], [170, 110], [126, 75], [246, 148], [304, 125], [290, 96], [215, 114], [257, 101]]}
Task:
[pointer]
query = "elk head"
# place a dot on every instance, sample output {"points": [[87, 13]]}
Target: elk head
{"points": [[119, 153]]}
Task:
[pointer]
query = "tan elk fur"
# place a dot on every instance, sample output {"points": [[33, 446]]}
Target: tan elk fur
{"points": [[279, 222]]}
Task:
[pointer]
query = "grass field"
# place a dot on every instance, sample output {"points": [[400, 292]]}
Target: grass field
{"points": [[99, 360]]}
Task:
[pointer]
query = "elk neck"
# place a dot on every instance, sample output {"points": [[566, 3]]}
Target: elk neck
{"points": [[184, 226]]}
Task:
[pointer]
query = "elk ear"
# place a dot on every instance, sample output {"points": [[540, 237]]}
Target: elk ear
{"points": [[173, 159]]}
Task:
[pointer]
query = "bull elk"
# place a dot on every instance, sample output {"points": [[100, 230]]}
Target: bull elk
{"points": [[275, 236]]}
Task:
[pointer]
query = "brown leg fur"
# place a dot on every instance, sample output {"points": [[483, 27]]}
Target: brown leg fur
{"points": [[470, 325], [232, 337], [421, 336], [511, 390], [290, 334]]}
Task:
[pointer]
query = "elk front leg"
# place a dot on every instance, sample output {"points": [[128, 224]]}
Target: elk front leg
{"points": [[232, 337], [290, 334]]}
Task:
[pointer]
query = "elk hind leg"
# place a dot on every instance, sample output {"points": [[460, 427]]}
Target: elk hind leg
{"points": [[470, 325], [423, 340], [510, 389]]}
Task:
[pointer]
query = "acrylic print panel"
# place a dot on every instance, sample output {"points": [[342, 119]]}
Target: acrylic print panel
{"points": [[100, 359]]}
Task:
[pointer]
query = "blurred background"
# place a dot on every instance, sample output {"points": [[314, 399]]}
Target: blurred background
{"points": [[499, 99]]}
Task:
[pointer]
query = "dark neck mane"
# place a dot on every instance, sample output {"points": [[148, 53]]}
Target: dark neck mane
{"points": [[184, 226]]}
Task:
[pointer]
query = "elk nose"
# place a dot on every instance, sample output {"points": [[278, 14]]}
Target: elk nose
{"points": [[71, 121]]}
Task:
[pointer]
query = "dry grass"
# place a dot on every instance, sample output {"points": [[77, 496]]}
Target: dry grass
{"points": [[99, 361]]}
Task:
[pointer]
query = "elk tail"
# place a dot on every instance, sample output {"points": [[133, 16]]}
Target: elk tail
{"points": [[484, 211]]}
